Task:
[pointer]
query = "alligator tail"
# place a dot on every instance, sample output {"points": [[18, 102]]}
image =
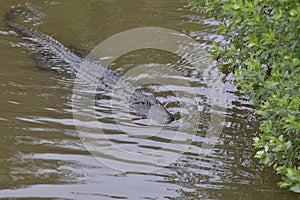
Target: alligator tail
{"points": [[45, 42], [9, 19]]}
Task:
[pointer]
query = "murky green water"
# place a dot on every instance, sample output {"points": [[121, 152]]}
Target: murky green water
{"points": [[42, 155]]}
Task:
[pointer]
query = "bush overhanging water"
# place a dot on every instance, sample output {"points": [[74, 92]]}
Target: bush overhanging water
{"points": [[263, 53]]}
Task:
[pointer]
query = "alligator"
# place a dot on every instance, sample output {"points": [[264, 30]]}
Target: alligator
{"points": [[142, 103]]}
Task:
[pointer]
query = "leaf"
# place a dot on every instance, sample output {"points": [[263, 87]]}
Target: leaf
{"points": [[277, 17], [236, 7], [251, 45], [296, 188], [291, 171]]}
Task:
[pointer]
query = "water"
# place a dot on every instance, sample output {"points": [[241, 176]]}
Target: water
{"points": [[44, 155]]}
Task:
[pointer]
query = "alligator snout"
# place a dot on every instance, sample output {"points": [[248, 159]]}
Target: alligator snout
{"points": [[160, 114]]}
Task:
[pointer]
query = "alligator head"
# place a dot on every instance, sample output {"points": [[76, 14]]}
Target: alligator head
{"points": [[149, 107]]}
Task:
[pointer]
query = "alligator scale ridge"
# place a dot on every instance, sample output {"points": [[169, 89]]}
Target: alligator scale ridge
{"points": [[145, 105]]}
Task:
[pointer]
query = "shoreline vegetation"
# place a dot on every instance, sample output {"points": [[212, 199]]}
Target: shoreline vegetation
{"points": [[263, 53]]}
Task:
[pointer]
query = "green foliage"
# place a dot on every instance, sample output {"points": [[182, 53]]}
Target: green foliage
{"points": [[263, 53]]}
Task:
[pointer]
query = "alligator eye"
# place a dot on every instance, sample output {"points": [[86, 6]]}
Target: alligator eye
{"points": [[142, 103]]}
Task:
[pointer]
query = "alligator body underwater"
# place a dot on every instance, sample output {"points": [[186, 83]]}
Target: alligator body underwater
{"points": [[145, 105]]}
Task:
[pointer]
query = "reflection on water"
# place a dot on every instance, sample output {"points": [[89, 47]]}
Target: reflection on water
{"points": [[43, 156]]}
